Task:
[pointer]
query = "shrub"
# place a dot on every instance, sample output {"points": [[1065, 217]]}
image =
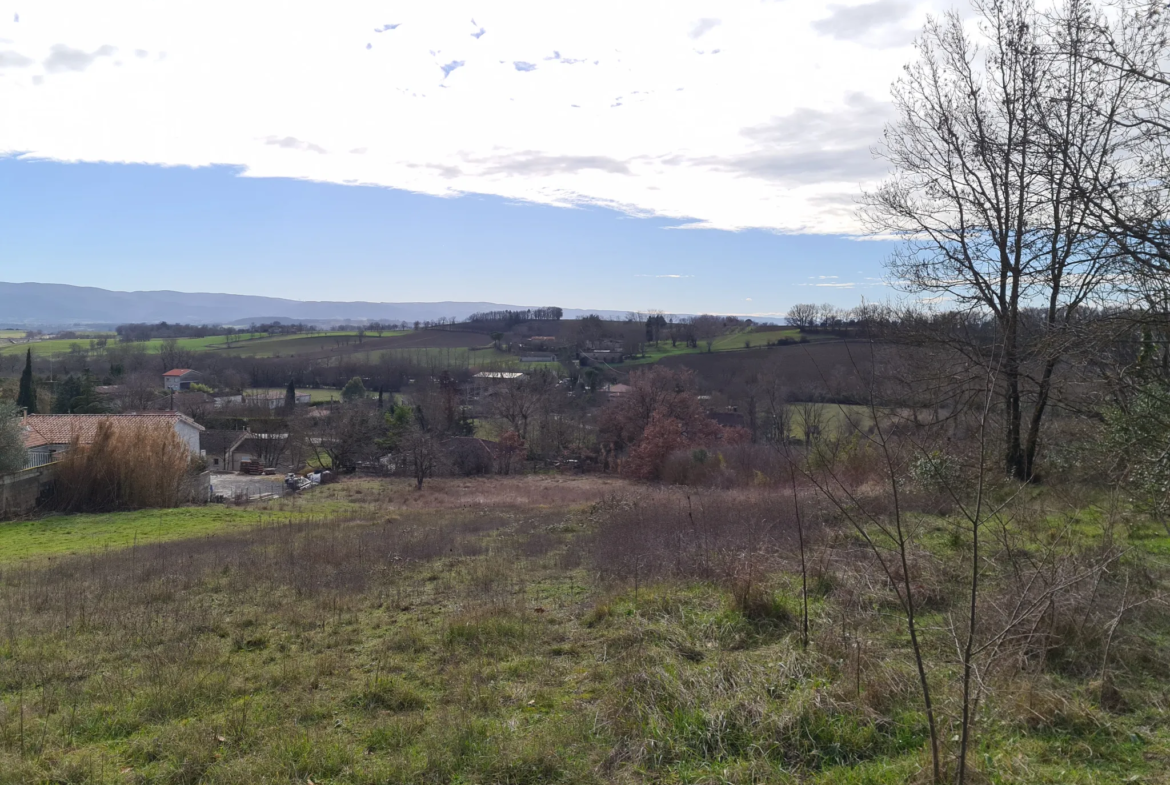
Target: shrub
{"points": [[125, 467], [11, 440]]}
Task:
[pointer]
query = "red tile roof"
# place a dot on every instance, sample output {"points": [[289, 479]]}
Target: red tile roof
{"points": [[43, 429], [179, 372]]}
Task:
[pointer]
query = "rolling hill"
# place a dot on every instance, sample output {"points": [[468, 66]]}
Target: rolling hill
{"points": [[59, 305]]}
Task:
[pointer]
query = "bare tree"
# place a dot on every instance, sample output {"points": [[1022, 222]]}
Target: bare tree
{"points": [[174, 356], [707, 329], [347, 436], [988, 150], [803, 315], [421, 452], [519, 401], [139, 389]]}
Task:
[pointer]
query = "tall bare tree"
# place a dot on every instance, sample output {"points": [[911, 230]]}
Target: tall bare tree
{"points": [[994, 137]]}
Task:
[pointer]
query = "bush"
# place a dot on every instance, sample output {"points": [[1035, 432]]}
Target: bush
{"points": [[11, 439], [125, 467]]}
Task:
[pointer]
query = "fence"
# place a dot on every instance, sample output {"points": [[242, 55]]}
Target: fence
{"points": [[37, 458]]}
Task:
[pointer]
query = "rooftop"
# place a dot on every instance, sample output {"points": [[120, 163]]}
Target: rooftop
{"points": [[179, 372], [43, 429]]}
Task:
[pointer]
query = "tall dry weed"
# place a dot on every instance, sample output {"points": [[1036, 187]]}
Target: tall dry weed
{"points": [[133, 465]]}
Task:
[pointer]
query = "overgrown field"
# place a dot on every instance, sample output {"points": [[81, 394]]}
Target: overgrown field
{"points": [[550, 630]]}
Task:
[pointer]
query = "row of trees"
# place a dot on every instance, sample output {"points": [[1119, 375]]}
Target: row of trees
{"points": [[509, 318]]}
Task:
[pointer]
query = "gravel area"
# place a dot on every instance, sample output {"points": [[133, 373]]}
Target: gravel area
{"points": [[231, 486]]}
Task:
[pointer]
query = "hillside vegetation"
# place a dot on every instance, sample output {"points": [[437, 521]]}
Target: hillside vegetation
{"points": [[476, 634]]}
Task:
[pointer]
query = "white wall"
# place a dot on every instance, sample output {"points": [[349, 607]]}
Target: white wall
{"points": [[189, 434]]}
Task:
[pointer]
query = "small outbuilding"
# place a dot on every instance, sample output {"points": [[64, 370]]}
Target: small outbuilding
{"points": [[181, 379]]}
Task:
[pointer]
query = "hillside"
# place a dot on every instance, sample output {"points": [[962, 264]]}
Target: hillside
{"points": [[42, 304]]}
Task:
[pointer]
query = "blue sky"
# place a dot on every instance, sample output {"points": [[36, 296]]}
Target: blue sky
{"points": [[131, 227], [507, 151]]}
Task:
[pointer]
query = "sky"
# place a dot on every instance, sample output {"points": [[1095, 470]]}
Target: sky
{"points": [[685, 155]]}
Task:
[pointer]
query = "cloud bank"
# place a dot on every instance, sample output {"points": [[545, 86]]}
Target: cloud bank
{"points": [[727, 114]]}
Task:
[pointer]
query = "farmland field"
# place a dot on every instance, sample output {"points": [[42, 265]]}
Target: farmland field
{"points": [[739, 340], [806, 364], [259, 345], [316, 394]]}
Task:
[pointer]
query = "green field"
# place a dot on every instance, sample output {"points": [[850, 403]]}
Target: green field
{"points": [[316, 395], [58, 535], [243, 344], [287, 345], [738, 340], [365, 633]]}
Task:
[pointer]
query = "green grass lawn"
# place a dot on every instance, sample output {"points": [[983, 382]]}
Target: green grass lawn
{"points": [[58, 535]]}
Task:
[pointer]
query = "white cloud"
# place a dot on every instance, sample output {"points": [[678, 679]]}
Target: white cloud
{"points": [[607, 103]]}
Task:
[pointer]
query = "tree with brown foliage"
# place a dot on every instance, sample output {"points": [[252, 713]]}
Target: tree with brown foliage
{"points": [[661, 413]]}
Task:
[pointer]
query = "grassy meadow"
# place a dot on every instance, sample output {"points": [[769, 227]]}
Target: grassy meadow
{"points": [[737, 340], [258, 344], [535, 630]]}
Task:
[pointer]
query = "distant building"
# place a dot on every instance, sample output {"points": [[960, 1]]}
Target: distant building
{"points": [[180, 379], [496, 376], [618, 390], [219, 448], [273, 399]]}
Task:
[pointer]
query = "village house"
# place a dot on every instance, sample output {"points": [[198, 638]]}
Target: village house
{"points": [[181, 379], [273, 399], [219, 448], [46, 436], [227, 451]]}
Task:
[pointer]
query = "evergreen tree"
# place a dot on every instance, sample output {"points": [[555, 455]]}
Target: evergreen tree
{"points": [[78, 395], [290, 396], [354, 390], [67, 390], [27, 397]]}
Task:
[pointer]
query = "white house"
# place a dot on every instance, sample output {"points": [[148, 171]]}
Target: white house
{"points": [[274, 399], [180, 379]]}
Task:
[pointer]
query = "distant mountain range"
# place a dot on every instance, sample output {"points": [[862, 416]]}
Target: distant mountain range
{"points": [[43, 305]]}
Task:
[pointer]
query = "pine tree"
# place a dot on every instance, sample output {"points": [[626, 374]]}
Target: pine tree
{"points": [[27, 397], [290, 396]]}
